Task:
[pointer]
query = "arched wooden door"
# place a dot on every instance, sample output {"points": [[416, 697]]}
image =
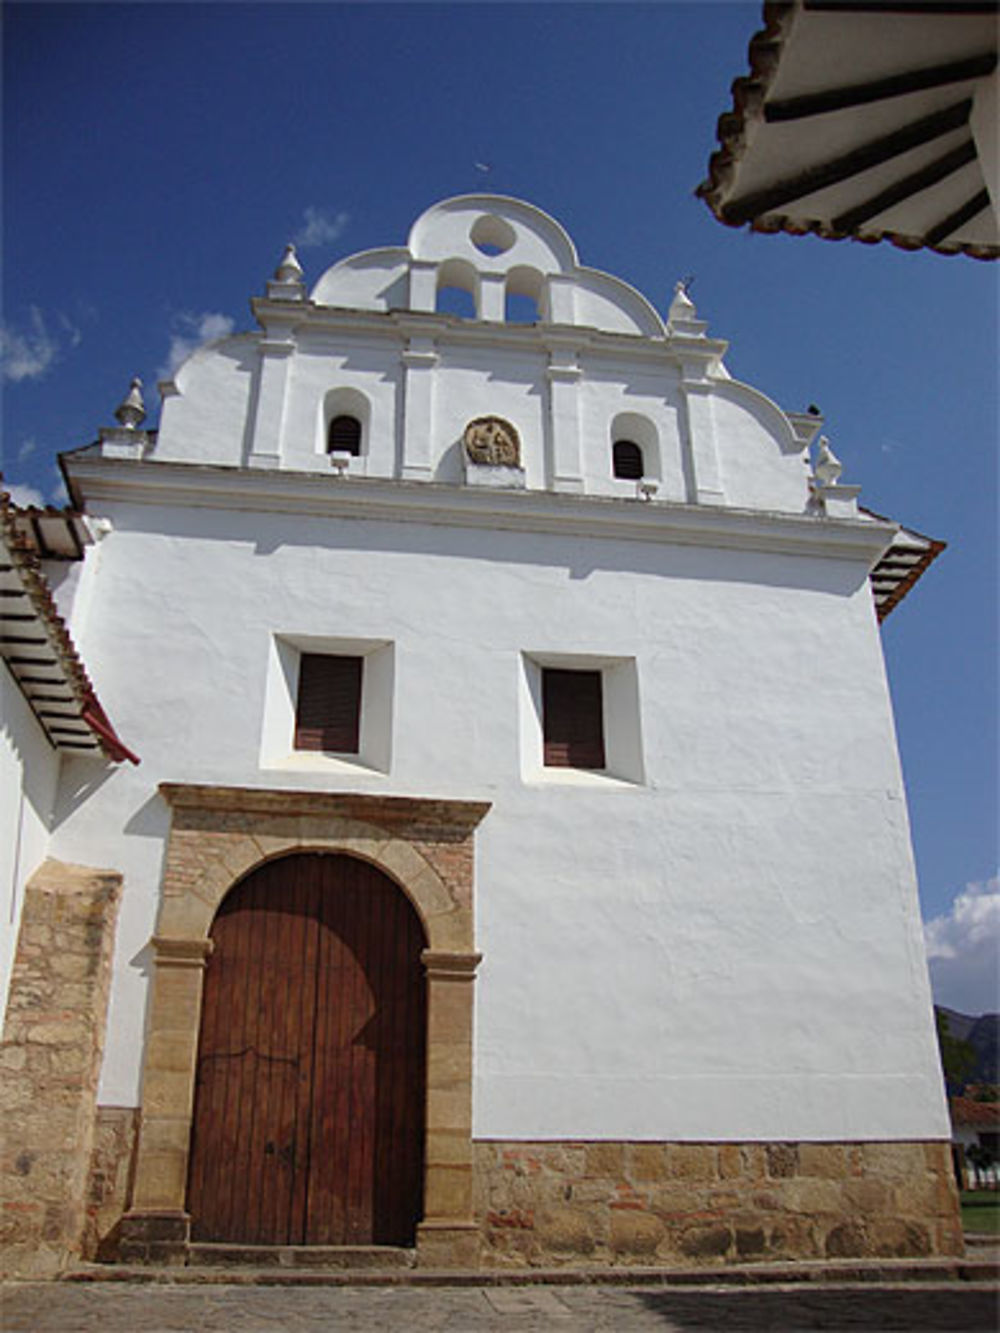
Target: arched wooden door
{"points": [[309, 1097]]}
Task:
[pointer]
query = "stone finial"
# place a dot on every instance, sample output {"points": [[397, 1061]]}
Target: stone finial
{"points": [[131, 411], [828, 466], [287, 285], [289, 270], [682, 307], [682, 317]]}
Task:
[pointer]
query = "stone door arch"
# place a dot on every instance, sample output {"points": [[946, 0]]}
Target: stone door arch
{"points": [[218, 835]]}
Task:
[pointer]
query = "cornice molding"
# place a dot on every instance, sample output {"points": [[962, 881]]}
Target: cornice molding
{"points": [[308, 318], [267, 490]]}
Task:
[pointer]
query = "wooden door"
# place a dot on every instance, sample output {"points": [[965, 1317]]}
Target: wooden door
{"points": [[309, 1097]]}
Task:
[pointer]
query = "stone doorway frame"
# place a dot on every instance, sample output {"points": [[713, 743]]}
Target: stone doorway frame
{"points": [[217, 836]]}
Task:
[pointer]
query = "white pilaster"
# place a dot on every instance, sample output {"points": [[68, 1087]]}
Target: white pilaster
{"points": [[419, 361], [705, 476], [423, 284], [270, 400], [493, 296], [563, 375]]}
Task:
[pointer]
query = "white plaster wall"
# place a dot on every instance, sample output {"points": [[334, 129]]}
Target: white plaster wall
{"points": [[475, 382], [29, 770], [204, 420], [71, 583], [728, 948], [761, 464], [211, 418], [609, 390], [372, 367], [425, 377]]}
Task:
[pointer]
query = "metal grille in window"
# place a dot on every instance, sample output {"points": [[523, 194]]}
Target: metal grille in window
{"points": [[572, 719], [344, 436], [328, 710], [627, 460]]}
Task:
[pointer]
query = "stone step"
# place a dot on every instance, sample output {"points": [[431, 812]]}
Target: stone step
{"points": [[984, 1270], [203, 1254]]}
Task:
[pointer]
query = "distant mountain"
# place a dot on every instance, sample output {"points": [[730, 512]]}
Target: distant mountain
{"points": [[983, 1035]]}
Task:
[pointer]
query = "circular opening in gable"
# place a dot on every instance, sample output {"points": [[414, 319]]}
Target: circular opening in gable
{"points": [[492, 235]]}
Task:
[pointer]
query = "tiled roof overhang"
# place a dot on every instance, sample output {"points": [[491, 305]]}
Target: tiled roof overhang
{"points": [[904, 563], [38, 650], [858, 120], [51, 533]]}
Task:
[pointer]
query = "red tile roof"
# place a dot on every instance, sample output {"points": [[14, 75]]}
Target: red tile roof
{"points": [[37, 647], [979, 1115]]}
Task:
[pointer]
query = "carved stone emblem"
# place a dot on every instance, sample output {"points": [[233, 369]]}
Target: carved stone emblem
{"points": [[493, 441]]}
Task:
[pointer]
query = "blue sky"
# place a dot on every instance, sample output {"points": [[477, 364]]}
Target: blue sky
{"points": [[156, 157]]}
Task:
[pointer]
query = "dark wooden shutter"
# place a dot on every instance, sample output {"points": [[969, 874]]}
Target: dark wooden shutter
{"points": [[573, 723], [345, 435], [626, 460], [328, 713]]}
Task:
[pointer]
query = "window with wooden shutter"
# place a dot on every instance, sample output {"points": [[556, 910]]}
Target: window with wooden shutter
{"points": [[344, 436], [328, 710], [572, 719], [626, 460]]}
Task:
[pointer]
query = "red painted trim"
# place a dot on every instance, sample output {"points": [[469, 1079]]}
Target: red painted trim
{"points": [[96, 719]]}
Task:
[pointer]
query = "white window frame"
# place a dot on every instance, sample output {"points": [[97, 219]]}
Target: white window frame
{"points": [[277, 749], [623, 754]]}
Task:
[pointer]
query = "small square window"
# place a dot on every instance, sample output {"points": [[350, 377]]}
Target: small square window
{"points": [[572, 719], [328, 707]]}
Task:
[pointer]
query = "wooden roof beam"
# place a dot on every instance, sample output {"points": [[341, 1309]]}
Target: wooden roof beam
{"points": [[871, 154], [910, 185], [953, 221], [896, 85], [916, 7]]}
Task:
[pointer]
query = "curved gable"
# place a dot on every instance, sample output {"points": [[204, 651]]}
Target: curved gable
{"points": [[493, 248], [370, 280]]}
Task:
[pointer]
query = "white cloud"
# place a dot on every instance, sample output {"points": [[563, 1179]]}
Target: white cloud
{"points": [[26, 496], [321, 228], [190, 332], [27, 448], [27, 355], [73, 334], [963, 950]]}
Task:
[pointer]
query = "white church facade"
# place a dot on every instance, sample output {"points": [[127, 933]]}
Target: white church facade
{"points": [[516, 870]]}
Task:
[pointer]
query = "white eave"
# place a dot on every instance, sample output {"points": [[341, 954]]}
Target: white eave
{"points": [[907, 560], [51, 533], [147, 481], [866, 119], [38, 650]]}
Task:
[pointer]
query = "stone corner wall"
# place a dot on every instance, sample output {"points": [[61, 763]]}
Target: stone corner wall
{"points": [[712, 1203], [50, 1058], [109, 1185]]}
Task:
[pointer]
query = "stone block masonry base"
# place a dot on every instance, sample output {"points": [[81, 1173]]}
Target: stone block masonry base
{"points": [[49, 1063], [112, 1171], [646, 1204], [547, 1204]]}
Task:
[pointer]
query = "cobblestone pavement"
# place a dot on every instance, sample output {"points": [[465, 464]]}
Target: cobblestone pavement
{"points": [[35, 1307]]}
